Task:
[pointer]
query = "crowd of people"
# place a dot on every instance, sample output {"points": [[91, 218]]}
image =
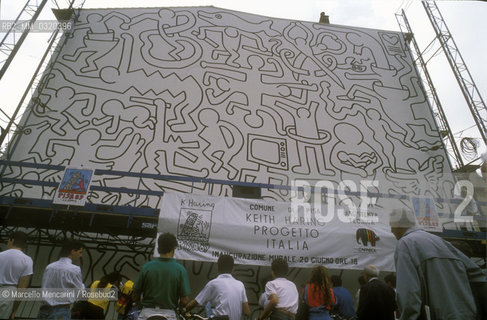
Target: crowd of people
{"points": [[433, 280]]}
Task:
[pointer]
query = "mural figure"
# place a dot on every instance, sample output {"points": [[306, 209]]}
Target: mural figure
{"points": [[309, 138], [71, 113], [98, 41], [114, 111], [89, 148], [234, 29], [302, 39], [419, 131], [352, 154], [159, 159], [223, 139], [167, 46], [419, 178]]}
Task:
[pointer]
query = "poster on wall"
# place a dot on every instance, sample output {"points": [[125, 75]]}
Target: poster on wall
{"points": [[426, 215], [255, 232], [74, 186]]}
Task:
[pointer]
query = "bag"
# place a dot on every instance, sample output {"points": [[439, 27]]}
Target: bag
{"points": [[303, 309], [124, 301]]}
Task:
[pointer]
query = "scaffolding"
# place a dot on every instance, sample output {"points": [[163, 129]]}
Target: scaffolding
{"points": [[433, 98], [12, 121], [11, 42], [465, 81], [133, 219]]}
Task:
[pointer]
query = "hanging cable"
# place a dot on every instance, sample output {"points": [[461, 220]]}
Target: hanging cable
{"points": [[469, 147]]}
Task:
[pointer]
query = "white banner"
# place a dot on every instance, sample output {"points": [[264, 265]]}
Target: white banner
{"points": [[255, 232]]}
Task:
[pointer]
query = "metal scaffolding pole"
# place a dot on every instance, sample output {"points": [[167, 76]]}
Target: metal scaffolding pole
{"points": [[430, 90], [13, 121], [52, 49], [462, 74], [11, 43]]}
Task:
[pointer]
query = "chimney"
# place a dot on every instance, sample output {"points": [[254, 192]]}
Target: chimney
{"points": [[324, 19]]}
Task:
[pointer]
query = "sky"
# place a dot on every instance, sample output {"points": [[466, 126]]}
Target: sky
{"points": [[465, 20]]}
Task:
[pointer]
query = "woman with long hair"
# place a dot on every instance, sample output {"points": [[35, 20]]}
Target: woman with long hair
{"points": [[318, 294]]}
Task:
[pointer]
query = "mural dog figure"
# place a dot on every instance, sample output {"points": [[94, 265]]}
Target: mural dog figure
{"points": [[366, 236]]}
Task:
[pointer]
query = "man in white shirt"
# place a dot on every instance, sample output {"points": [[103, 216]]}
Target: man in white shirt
{"points": [[226, 295], [62, 274], [15, 271], [282, 294]]}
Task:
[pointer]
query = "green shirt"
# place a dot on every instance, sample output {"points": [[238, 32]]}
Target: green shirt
{"points": [[161, 283]]}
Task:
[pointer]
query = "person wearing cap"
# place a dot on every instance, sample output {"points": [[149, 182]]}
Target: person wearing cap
{"points": [[433, 278]]}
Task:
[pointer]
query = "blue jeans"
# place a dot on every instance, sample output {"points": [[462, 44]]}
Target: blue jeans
{"points": [[319, 314], [55, 312]]}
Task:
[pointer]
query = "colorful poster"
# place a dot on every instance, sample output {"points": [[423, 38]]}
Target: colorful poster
{"points": [[255, 232], [426, 215], [74, 187]]}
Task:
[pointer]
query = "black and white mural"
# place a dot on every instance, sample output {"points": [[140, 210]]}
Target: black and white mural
{"points": [[212, 93]]}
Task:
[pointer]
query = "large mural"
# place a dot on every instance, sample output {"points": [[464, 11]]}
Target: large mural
{"points": [[212, 93]]}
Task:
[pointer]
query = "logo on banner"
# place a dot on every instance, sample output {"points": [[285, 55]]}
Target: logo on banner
{"points": [[194, 229], [367, 239], [365, 236], [74, 187]]}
